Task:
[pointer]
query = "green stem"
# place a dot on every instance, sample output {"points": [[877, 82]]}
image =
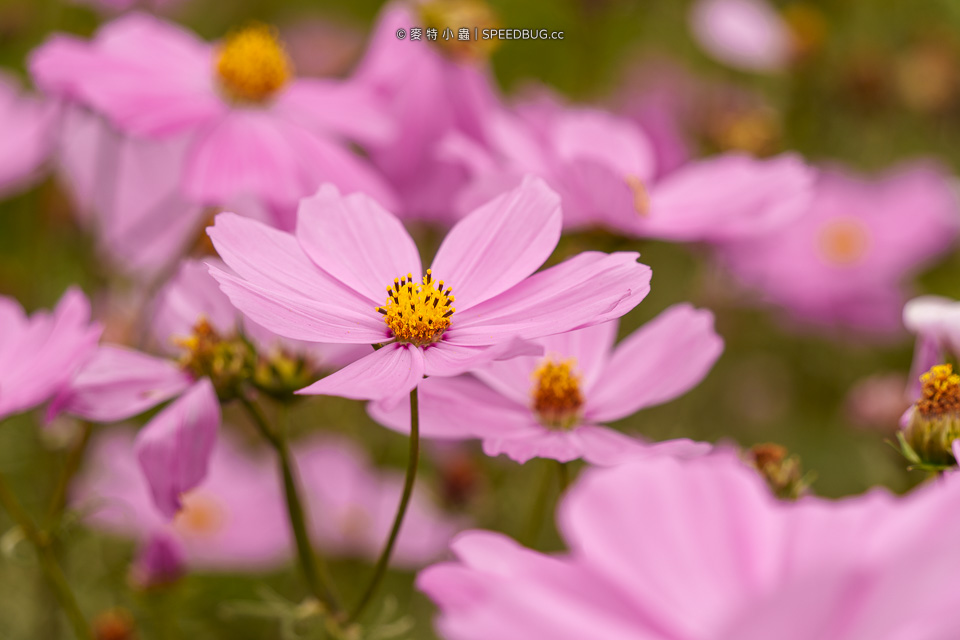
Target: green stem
{"points": [[74, 459], [313, 567], [538, 511], [412, 462], [48, 564], [563, 471]]}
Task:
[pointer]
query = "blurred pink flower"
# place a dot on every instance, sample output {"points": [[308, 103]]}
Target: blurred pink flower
{"points": [[878, 401], [118, 383], [255, 130], [604, 168], [552, 406], [700, 550], [354, 506], [28, 129], [233, 520], [327, 283], [41, 352], [159, 562], [845, 260], [127, 191], [746, 34], [428, 95]]}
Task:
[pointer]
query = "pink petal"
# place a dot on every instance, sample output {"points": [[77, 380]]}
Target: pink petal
{"points": [[727, 197], [174, 448], [456, 409], [663, 359], [189, 296], [336, 107], [747, 34], [39, 354], [563, 446], [606, 447], [587, 289], [118, 383], [605, 139], [691, 541], [500, 244], [445, 359], [257, 153], [27, 126], [278, 287], [386, 374], [148, 76], [356, 241]]}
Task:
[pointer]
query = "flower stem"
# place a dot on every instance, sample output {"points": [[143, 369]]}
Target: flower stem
{"points": [[313, 567], [412, 462], [538, 510], [74, 459], [48, 564]]}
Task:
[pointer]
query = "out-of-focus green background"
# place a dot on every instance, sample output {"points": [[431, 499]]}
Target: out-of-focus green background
{"points": [[849, 101]]}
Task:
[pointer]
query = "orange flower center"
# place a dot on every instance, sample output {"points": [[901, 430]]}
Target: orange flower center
{"points": [[252, 64], [556, 393], [202, 516], [844, 241]]}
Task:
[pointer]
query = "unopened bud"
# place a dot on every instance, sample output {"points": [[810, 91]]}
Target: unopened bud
{"points": [[783, 472], [159, 564], [114, 624]]}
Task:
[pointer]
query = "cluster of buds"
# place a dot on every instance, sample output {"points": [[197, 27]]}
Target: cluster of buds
{"points": [[783, 472], [932, 425]]}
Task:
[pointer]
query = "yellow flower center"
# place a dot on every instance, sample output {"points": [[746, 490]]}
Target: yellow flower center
{"points": [[201, 516], [252, 64], [556, 393], [843, 241], [940, 393], [449, 16], [418, 313]]}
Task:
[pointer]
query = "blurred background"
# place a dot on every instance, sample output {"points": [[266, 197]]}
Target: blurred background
{"points": [[873, 84]]}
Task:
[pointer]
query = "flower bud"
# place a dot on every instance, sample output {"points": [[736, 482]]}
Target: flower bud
{"points": [[783, 472], [933, 423], [114, 624], [159, 564]]}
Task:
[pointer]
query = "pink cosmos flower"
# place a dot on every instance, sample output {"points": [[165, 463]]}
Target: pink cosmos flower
{"points": [[845, 260], [746, 34], [354, 505], [699, 550], [233, 520], [604, 168], [428, 95], [551, 406], [39, 353], [27, 126], [255, 130], [347, 277]]}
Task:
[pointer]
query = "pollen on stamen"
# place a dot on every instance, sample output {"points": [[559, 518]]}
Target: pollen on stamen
{"points": [[557, 398], [418, 312], [252, 64]]}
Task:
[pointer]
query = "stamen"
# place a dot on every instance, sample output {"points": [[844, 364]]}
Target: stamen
{"points": [[425, 319]]}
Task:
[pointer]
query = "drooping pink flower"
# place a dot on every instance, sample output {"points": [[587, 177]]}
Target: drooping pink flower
{"points": [[353, 506], [347, 277], [192, 319], [745, 34], [845, 260], [255, 130], [233, 520], [553, 406], [39, 353], [604, 168], [700, 550], [428, 95], [28, 128]]}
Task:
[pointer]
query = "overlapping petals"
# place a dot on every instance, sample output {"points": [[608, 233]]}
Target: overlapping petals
{"points": [[660, 361], [326, 283]]}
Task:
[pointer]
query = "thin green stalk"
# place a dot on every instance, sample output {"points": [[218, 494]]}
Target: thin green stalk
{"points": [[74, 459], [563, 472], [48, 563], [538, 511], [313, 567], [412, 463]]}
